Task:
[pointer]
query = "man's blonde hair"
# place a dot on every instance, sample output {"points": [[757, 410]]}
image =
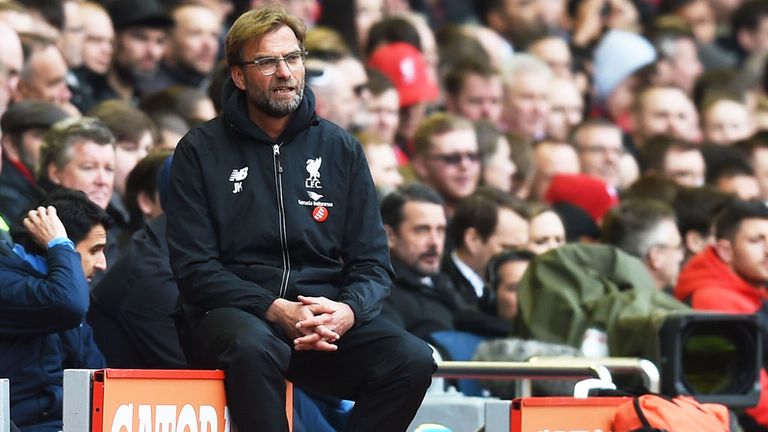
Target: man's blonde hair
{"points": [[256, 23]]}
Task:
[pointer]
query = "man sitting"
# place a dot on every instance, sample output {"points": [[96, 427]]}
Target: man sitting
{"points": [[422, 299], [731, 275], [43, 301]]}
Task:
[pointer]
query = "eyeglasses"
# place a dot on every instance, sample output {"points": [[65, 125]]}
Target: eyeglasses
{"points": [[268, 65], [456, 158]]}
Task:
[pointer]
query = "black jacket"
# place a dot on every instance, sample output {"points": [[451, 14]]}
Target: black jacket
{"points": [[461, 284], [251, 219], [131, 307], [417, 307]]}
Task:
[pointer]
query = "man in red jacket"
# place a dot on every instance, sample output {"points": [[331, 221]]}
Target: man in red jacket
{"points": [[731, 274]]}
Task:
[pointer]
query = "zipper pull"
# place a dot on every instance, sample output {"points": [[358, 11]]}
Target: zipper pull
{"points": [[276, 151]]}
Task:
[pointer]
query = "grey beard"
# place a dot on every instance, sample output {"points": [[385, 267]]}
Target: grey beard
{"points": [[279, 109]]}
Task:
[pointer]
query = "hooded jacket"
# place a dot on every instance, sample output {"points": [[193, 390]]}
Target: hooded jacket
{"points": [[708, 283], [252, 219]]}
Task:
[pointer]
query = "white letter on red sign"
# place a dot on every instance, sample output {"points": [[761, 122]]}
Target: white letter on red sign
{"points": [[209, 420], [187, 419], [123, 418]]}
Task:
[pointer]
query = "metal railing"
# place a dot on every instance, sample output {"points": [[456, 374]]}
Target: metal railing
{"points": [[618, 365], [552, 368]]}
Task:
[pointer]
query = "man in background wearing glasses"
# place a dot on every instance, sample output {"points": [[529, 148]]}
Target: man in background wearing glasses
{"points": [[446, 157], [279, 251]]}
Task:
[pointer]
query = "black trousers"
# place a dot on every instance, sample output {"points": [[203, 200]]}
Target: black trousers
{"points": [[380, 366]]}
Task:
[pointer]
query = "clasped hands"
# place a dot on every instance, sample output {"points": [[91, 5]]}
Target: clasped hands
{"points": [[314, 323]]}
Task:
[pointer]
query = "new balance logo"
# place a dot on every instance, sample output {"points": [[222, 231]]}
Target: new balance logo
{"points": [[237, 177]]}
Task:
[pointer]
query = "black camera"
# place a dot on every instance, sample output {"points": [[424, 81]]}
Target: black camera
{"points": [[714, 357]]}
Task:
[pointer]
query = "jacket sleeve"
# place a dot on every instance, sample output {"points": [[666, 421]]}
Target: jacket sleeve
{"points": [[35, 304], [367, 270], [193, 245]]}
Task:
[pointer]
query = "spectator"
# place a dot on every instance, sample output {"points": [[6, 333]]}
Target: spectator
{"points": [[755, 149], [23, 127], [665, 111], [355, 73], [730, 275], [526, 96], [725, 121], [79, 154], [546, 229], [618, 60], [192, 49], [495, 46], [474, 91], [88, 82], [678, 63], [518, 21], [422, 299], [748, 27], [175, 111], [674, 159], [446, 157], [737, 179], [696, 208], [43, 76], [140, 35], [72, 33], [457, 47], [134, 135], [382, 161], [43, 304], [555, 52], [485, 223], [647, 229], [142, 196], [552, 158], [383, 107], [566, 108], [505, 271], [336, 100], [99, 38], [600, 148]]}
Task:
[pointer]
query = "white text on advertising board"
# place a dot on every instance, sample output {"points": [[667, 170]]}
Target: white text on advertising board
{"points": [[167, 418]]}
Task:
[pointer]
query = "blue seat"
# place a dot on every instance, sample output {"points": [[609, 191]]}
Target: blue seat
{"points": [[459, 346]]}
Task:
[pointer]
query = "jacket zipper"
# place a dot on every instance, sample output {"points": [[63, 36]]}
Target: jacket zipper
{"points": [[281, 220]]}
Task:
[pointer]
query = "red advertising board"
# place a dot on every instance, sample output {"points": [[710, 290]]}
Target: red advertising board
{"points": [[133, 400], [564, 414]]}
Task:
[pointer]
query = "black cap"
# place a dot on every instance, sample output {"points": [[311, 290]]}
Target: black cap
{"points": [[31, 114], [139, 13]]}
